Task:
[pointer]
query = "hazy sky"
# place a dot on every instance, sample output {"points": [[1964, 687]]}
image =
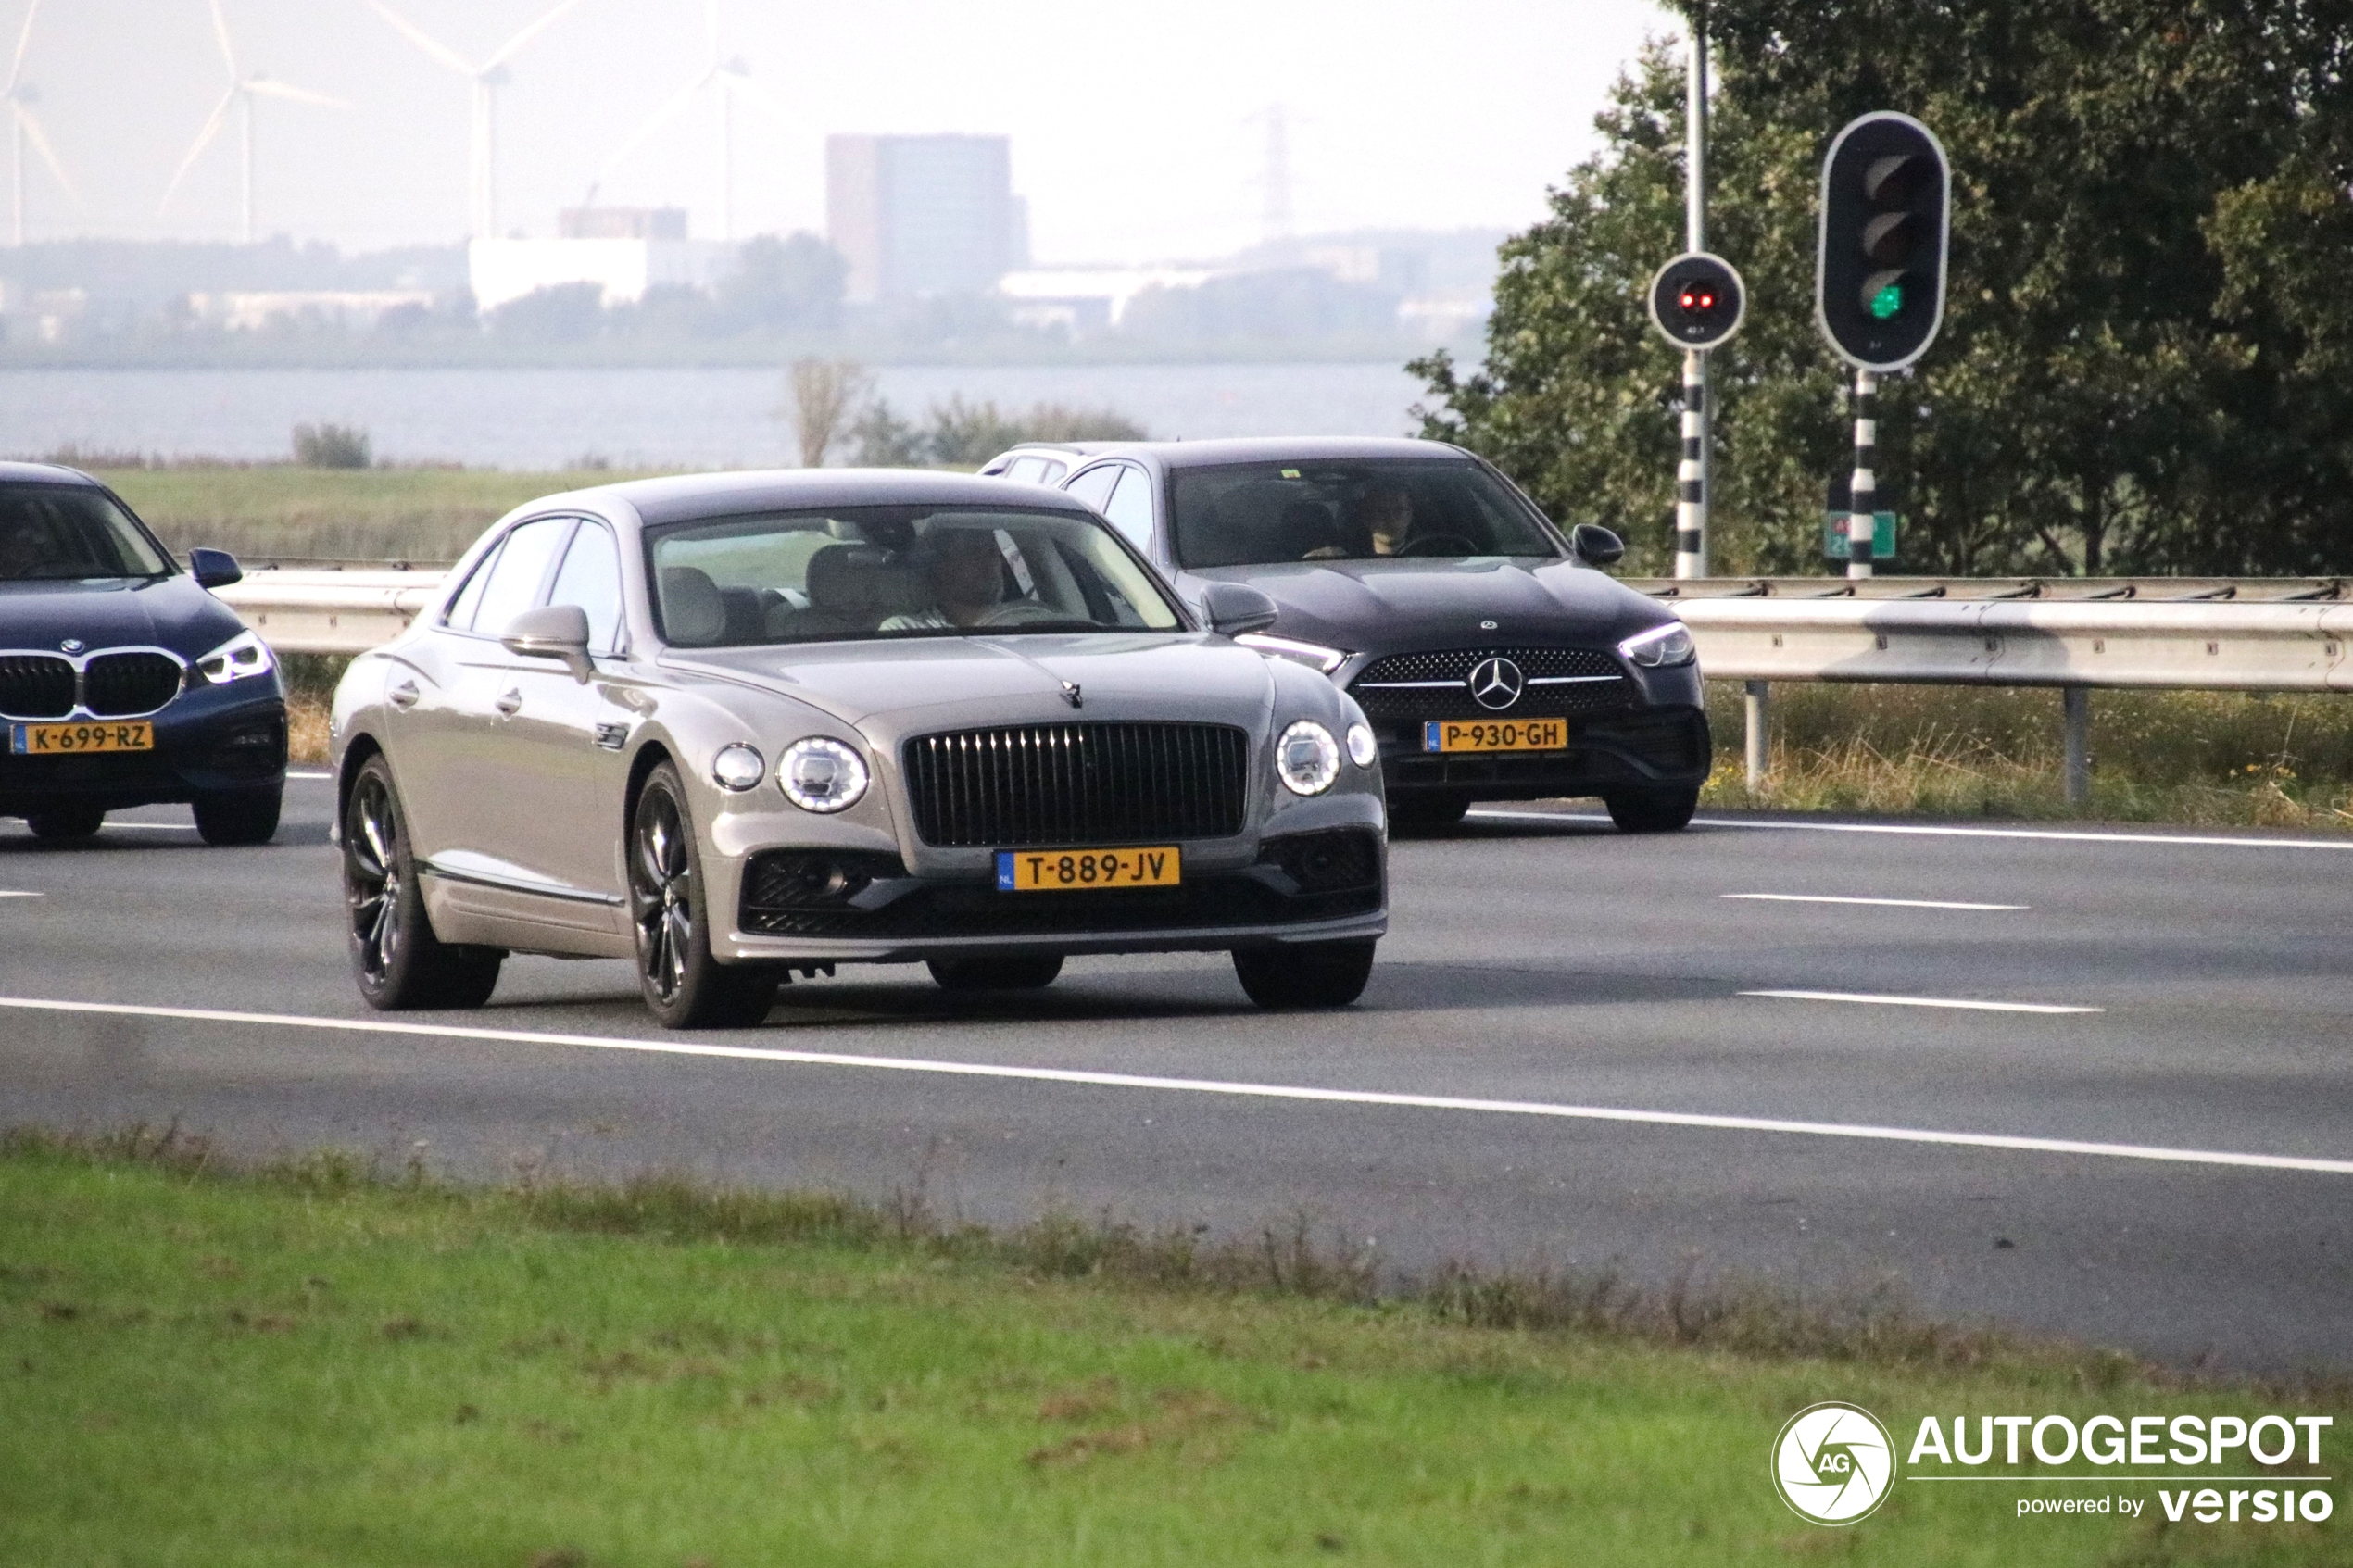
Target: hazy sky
{"points": [[1138, 131]]}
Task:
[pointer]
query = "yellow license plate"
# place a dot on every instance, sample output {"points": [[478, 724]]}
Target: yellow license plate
{"points": [[1495, 735], [1068, 871], [58, 740]]}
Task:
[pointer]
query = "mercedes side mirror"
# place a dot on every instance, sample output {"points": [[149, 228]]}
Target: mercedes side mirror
{"points": [[552, 631], [1595, 545], [214, 569], [1232, 609]]}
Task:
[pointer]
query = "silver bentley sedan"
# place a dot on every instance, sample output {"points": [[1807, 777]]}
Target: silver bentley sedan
{"points": [[735, 728]]}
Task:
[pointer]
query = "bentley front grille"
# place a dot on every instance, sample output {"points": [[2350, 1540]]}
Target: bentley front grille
{"points": [[1109, 782], [1437, 684], [35, 685], [126, 685]]}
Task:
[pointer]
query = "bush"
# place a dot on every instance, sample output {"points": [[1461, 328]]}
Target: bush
{"points": [[332, 446], [960, 434]]}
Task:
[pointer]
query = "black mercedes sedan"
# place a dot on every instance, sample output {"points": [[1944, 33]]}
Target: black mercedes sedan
{"points": [[1494, 663], [123, 682]]}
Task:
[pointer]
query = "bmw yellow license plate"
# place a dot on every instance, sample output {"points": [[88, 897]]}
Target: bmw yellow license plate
{"points": [[1495, 735], [1068, 871], [60, 740]]}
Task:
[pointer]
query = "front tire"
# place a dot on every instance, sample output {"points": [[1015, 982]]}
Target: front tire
{"points": [[250, 818], [1653, 811], [1027, 973], [1305, 975], [684, 985], [398, 962], [66, 824]]}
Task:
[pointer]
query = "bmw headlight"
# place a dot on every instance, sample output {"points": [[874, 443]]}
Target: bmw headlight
{"points": [[1307, 758], [822, 774], [1316, 656], [738, 767], [240, 656], [1363, 749], [1659, 646]]}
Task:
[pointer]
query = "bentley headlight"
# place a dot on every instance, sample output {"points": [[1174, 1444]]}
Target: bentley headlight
{"points": [[738, 767], [823, 774], [1316, 656], [1363, 749], [1659, 646], [240, 656], [1307, 758]]}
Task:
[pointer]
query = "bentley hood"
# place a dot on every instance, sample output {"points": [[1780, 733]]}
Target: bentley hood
{"points": [[980, 679], [1441, 603]]}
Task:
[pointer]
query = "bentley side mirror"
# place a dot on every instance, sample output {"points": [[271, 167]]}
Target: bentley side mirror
{"points": [[552, 631], [1232, 609], [214, 569], [1594, 545]]}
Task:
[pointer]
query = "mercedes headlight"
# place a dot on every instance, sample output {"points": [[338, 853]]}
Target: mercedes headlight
{"points": [[1316, 656], [1363, 749], [738, 767], [822, 774], [1659, 646], [240, 656], [1307, 758]]}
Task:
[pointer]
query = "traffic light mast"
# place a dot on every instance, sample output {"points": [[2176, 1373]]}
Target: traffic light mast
{"points": [[1879, 276], [1694, 472]]}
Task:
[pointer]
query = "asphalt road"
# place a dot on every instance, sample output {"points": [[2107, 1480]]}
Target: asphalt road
{"points": [[1543, 972]]}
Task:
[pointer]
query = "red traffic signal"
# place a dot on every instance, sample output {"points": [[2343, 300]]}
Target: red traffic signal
{"points": [[1697, 300]]}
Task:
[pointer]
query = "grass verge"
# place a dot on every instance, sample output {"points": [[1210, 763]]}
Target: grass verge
{"points": [[2212, 758], [302, 1365]]}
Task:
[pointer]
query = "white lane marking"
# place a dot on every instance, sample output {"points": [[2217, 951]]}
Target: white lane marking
{"points": [[1883, 903], [11, 892], [310, 775], [1919, 1002], [2346, 843], [1219, 1086], [156, 827]]}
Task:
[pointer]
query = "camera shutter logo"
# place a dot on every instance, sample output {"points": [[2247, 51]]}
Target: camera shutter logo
{"points": [[1833, 1462]]}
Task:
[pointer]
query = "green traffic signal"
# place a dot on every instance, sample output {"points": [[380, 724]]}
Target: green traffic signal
{"points": [[1887, 303]]}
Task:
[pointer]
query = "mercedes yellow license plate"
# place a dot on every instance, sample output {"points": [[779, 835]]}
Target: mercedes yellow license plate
{"points": [[58, 740], [1067, 870], [1495, 735]]}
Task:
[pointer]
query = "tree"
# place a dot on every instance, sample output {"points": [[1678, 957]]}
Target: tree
{"points": [[823, 392], [792, 285], [2129, 375]]}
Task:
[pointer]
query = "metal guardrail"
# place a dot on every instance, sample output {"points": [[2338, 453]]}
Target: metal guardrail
{"points": [[2270, 635]]}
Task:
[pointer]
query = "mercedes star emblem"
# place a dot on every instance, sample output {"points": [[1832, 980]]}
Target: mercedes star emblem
{"points": [[1496, 683], [72, 645]]}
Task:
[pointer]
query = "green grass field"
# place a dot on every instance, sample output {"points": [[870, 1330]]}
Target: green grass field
{"points": [[296, 1367]]}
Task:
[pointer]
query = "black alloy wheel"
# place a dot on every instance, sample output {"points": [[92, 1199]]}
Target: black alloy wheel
{"points": [[1305, 975], [248, 818], [1653, 811], [1027, 972], [395, 957], [683, 984], [1426, 813], [66, 824]]}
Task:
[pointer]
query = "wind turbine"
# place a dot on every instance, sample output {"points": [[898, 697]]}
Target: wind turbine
{"points": [[732, 80], [23, 127], [243, 90], [489, 76]]}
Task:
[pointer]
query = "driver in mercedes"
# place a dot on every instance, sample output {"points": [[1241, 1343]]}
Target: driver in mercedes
{"points": [[966, 572]]}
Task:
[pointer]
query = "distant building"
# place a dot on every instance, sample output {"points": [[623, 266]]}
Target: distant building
{"points": [[1086, 300], [924, 215], [624, 250]]}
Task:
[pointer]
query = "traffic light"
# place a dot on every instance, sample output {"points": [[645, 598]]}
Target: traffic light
{"points": [[1879, 293], [1697, 300]]}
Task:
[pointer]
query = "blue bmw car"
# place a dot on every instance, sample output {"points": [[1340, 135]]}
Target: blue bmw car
{"points": [[123, 682]]}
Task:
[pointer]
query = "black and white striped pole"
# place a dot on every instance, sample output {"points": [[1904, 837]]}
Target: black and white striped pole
{"points": [[1862, 520], [1690, 474]]}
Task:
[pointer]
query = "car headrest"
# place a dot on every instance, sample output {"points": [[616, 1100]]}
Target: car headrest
{"points": [[692, 613]]}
